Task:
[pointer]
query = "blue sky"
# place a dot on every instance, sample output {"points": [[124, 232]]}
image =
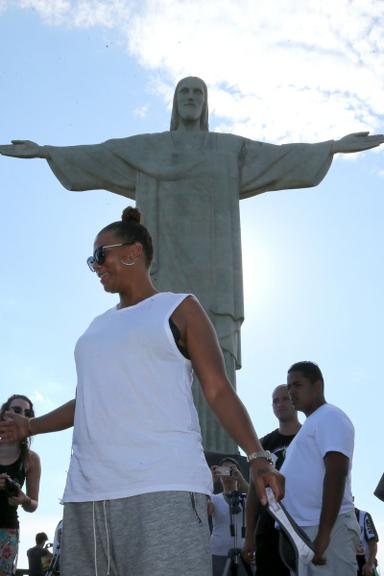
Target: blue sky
{"points": [[82, 72]]}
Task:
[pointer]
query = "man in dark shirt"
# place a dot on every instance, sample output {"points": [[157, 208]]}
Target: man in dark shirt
{"points": [[261, 535], [36, 554]]}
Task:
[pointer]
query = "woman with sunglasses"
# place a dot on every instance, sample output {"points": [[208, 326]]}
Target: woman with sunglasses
{"points": [[17, 464], [135, 501]]}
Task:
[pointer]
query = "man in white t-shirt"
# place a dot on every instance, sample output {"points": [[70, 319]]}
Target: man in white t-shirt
{"points": [[317, 469]]}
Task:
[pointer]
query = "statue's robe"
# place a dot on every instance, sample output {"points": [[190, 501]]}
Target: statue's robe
{"points": [[188, 186]]}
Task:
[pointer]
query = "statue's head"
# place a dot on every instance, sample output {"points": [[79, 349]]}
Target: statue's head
{"points": [[190, 102]]}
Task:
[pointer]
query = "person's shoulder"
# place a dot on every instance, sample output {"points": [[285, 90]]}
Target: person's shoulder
{"points": [[33, 455], [328, 422], [330, 411], [188, 302], [183, 300], [269, 438], [337, 413], [32, 460], [104, 315]]}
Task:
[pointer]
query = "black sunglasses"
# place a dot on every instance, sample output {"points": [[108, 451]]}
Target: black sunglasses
{"points": [[28, 412], [99, 254]]}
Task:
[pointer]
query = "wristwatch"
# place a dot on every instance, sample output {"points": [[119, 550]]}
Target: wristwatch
{"points": [[265, 454]]}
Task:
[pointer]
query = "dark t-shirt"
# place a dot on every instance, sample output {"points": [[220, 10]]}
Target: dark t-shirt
{"points": [[35, 555], [277, 444]]}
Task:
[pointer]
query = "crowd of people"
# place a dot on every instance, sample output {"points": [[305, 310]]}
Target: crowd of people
{"points": [[137, 499], [317, 469]]}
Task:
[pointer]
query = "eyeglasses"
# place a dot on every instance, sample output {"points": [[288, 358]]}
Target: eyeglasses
{"points": [[99, 254], [28, 412]]}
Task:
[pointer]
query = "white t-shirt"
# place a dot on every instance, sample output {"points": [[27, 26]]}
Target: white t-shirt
{"points": [[136, 428], [221, 539], [328, 429]]}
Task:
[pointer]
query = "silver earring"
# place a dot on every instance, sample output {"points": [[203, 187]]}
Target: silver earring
{"points": [[126, 263]]}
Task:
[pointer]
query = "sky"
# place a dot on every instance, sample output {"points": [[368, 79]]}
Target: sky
{"points": [[80, 72]]}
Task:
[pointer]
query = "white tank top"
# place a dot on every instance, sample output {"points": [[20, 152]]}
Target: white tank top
{"points": [[136, 428]]}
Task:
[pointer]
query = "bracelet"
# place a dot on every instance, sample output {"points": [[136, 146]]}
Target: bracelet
{"points": [[265, 454]]}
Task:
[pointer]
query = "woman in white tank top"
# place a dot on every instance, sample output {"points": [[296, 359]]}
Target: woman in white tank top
{"points": [[141, 453]]}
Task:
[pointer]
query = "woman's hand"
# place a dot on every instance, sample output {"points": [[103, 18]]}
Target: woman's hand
{"points": [[19, 499], [264, 474], [18, 496], [14, 428]]}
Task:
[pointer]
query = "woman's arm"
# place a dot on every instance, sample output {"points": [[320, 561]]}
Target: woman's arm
{"points": [[30, 499], [33, 474], [16, 427], [199, 337]]}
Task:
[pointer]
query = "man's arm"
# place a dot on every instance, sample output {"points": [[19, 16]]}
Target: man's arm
{"points": [[336, 470]]}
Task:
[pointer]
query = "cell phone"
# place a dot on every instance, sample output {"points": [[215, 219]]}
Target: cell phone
{"points": [[11, 487], [223, 471]]}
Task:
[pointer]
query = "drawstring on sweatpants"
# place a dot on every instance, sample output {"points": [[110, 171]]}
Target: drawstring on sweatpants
{"points": [[193, 502], [107, 535], [94, 536], [107, 538]]}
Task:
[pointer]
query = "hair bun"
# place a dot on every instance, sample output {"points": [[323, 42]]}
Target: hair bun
{"points": [[131, 214]]}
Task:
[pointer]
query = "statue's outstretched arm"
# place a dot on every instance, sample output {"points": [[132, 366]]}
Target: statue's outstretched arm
{"points": [[24, 149], [357, 142]]}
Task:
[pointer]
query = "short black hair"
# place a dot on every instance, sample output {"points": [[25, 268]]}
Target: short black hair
{"points": [[309, 370], [41, 538]]}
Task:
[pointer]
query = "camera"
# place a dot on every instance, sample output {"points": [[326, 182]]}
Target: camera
{"points": [[223, 471], [11, 487]]}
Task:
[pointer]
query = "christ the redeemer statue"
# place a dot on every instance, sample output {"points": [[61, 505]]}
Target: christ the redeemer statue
{"points": [[187, 183]]}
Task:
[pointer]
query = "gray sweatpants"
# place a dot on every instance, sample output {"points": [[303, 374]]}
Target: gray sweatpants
{"points": [[341, 552], [156, 534]]}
